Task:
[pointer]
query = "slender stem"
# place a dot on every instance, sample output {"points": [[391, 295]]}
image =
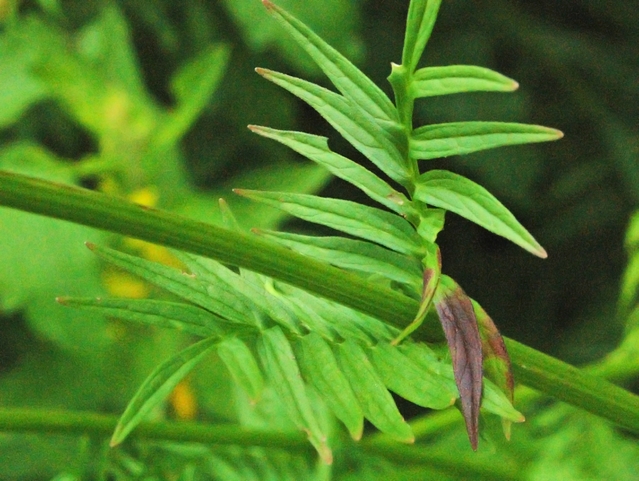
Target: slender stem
{"points": [[70, 422], [534, 368]]}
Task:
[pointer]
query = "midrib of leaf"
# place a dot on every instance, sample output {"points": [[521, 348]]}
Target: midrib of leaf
{"points": [[94, 209]]}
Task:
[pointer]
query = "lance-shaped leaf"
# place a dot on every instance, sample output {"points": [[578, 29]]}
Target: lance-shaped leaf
{"points": [[452, 79], [497, 366], [358, 220], [320, 369], [242, 365], [172, 315], [419, 25], [281, 368], [352, 254], [355, 125], [348, 79], [218, 301], [459, 138], [316, 148], [159, 385], [375, 400], [455, 311], [406, 378], [464, 197]]}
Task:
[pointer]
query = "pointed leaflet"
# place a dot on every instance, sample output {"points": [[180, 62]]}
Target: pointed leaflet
{"points": [[173, 315], [358, 220], [348, 79], [462, 196], [159, 385], [459, 138], [352, 254], [316, 149], [497, 366], [320, 369], [419, 25], [282, 370], [456, 314], [377, 403], [406, 378], [452, 79], [187, 287], [353, 124], [241, 363]]}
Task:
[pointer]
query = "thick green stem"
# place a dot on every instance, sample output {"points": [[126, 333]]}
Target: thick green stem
{"points": [[534, 368]]}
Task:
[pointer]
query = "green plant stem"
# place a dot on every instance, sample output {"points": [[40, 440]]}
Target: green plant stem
{"points": [[81, 206], [77, 423]]}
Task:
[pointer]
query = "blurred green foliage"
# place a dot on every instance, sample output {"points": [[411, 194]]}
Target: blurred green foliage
{"points": [[150, 100]]}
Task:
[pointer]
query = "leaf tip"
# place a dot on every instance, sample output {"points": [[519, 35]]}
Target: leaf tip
{"points": [[90, 245], [541, 253], [268, 4], [61, 300], [514, 85]]}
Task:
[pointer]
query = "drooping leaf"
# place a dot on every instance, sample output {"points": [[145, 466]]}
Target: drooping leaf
{"points": [[406, 378], [466, 198], [316, 148], [359, 220], [497, 366], [172, 315], [352, 254], [219, 301], [419, 25], [348, 79], [319, 367], [376, 402], [455, 311], [459, 138], [242, 365], [452, 79], [352, 123], [159, 385], [282, 370]]}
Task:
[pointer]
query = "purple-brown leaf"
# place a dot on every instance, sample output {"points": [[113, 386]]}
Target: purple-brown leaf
{"points": [[455, 310]]}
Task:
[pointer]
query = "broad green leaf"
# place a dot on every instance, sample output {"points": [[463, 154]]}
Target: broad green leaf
{"points": [[464, 197], [352, 254], [348, 79], [254, 296], [353, 124], [316, 149], [419, 25], [320, 369], [432, 81], [172, 315], [282, 370], [211, 298], [376, 402], [459, 138], [242, 365], [358, 220], [406, 378], [159, 385]]}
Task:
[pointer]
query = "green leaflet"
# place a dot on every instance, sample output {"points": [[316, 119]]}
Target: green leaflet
{"points": [[348, 79], [316, 148], [320, 368], [406, 378], [242, 365], [464, 197], [282, 370], [432, 81], [353, 254], [158, 386], [375, 400], [172, 315], [359, 220], [355, 125], [431, 223], [222, 303], [495, 401], [419, 25], [458, 138]]}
